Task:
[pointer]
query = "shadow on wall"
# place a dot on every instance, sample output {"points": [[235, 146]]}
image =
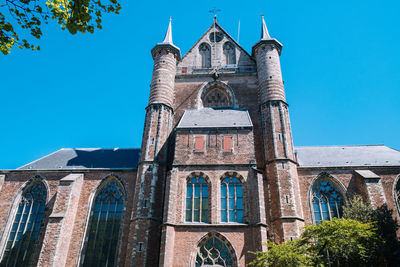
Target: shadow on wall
{"points": [[105, 158]]}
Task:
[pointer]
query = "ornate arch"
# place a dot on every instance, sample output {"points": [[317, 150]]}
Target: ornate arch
{"points": [[113, 187], [232, 198], [197, 200], [28, 209], [205, 55], [396, 194], [198, 254], [216, 94], [326, 188]]}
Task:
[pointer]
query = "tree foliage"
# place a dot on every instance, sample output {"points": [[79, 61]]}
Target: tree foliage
{"points": [[340, 242], [289, 253], [26, 17], [365, 236], [386, 251]]}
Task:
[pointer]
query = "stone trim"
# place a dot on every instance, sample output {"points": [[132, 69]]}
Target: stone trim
{"points": [[204, 239], [335, 181], [13, 211], [92, 197]]}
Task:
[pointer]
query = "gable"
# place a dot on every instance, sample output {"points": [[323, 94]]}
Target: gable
{"points": [[224, 54]]}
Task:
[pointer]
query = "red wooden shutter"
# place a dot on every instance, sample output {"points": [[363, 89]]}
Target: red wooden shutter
{"points": [[227, 143], [199, 143]]}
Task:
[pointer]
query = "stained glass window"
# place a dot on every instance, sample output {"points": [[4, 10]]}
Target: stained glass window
{"points": [[213, 253], [205, 53], [231, 200], [104, 226], [229, 52], [24, 233], [327, 201], [197, 200]]}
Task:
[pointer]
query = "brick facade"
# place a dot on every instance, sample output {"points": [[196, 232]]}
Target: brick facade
{"points": [[275, 187]]}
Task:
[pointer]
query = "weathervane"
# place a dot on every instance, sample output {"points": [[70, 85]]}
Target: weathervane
{"points": [[215, 11]]}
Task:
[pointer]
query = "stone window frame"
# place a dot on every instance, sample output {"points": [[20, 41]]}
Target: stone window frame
{"points": [[327, 176], [242, 180], [89, 208], [396, 194], [222, 86], [203, 62], [209, 184], [226, 56], [13, 212], [204, 239]]}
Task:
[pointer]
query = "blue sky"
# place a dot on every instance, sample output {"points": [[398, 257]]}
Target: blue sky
{"points": [[340, 63]]}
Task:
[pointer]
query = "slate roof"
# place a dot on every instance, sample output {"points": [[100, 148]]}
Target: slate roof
{"points": [[87, 158], [351, 156], [128, 158], [215, 118]]}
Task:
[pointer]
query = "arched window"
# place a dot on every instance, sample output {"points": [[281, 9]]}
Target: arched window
{"points": [[25, 229], [213, 252], [104, 225], [229, 52], [205, 53], [397, 194], [216, 97], [197, 200], [327, 201], [231, 200]]}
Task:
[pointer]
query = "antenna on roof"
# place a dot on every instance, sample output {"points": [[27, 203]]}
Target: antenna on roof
{"points": [[238, 36]]}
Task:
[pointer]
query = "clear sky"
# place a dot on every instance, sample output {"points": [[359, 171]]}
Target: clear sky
{"points": [[340, 63]]}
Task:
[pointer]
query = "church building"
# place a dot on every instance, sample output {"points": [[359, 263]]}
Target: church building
{"points": [[217, 174]]}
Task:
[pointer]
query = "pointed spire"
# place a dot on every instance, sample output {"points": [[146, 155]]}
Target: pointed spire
{"points": [[168, 35], [264, 30]]}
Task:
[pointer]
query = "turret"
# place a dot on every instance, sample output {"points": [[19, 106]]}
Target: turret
{"points": [[165, 56], [152, 170], [267, 52], [285, 215]]}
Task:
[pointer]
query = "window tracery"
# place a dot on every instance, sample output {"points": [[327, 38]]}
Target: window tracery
{"points": [[213, 253], [216, 97], [229, 52], [26, 226], [104, 226], [205, 54], [197, 200], [231, 200], [327, 201]]}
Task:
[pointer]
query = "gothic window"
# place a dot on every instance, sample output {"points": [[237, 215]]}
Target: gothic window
{"points": [[327, 201], [231, 200], [229, 52], [24, 233], [213, 253], [216, 97], [197, 200], [397, 194], [104, 226], [205, 54]]}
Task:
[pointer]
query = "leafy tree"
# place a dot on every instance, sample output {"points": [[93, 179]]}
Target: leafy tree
{"points": [[27, 17], [340, 242], [289, 253], [386, 251]]}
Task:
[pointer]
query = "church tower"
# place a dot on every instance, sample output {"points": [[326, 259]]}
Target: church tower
{"points": [[285, 215], [147, 211]]}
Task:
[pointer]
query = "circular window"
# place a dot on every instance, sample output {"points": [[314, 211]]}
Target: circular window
{"points": [[216, 37]]}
